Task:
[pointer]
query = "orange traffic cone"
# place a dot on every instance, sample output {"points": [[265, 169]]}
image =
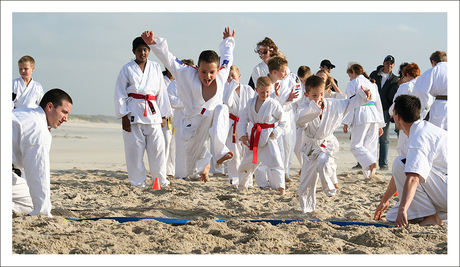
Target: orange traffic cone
{"points": [[396, 194], [156, 184]]}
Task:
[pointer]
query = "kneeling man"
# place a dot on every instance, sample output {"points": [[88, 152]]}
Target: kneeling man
{"points": [[420, 177]]}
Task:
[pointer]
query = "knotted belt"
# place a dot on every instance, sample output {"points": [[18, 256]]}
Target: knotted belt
{"points": [[255, 135], [236, 119], [148, 98], [441, 97]]}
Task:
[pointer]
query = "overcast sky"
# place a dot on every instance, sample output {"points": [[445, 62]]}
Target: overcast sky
{"points": [[83, 52], [81, 47]]}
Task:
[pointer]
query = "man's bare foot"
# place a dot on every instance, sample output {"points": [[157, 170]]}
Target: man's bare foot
{"points": [[281, 190], [287, 179], [204, 175], [431, 220], [226, 157], [336, 186]]}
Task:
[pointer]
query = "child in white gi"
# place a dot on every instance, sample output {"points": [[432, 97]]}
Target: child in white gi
{"points": [[287, 89], [267, 116], [168, 133], [178, 115], [366, 122], [329, 93], [202, 96], [27, 93], [236, 96], [141, 101], [303, 73], [420, 177], [319, 117]]}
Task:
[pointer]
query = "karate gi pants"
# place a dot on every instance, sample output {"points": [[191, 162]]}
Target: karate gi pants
{"points": [[145, 137], [270, 155], [214, 126], [22, 201], [238, 151], [289, 140], [180, 161], [170, 149], [313, 168], [430, 197], [298, 144], [363, 145]]}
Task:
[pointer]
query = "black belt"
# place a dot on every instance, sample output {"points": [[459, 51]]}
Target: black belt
{"points": [[441, 97]]}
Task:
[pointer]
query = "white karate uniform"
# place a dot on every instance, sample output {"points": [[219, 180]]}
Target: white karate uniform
{"points": [[299, 131], [289, 83], [146, 133], [31, 146], [320, 144], [406, 89], [426, 156], [27, 96], [364, 123], [236, 105], [170, 144], [433, 82], [269, 153], [204, 119], [178, 116]]}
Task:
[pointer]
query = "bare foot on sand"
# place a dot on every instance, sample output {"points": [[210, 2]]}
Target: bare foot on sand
{"points": [[336, 186], [373, 167], [431, 220], [287, 179], [226, 157], [281, 190], [204, 175]]}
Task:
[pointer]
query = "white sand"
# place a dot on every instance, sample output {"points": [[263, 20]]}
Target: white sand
{"points": [[89, 180]]}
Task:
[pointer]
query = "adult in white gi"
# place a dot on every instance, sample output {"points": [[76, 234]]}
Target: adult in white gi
{"points": [[433, 83], [365, 122], [420, 177], [201, 91], [236, 97], [267, 117], [319, 117], [27, 93], [142, 102], [31, 146]]}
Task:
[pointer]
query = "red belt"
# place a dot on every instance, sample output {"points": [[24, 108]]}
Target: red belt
{"points": [[148, 98], [255, 135], [236, 119]]}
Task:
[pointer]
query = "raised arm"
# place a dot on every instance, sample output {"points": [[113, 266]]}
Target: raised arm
{"points": [[226, 33]]}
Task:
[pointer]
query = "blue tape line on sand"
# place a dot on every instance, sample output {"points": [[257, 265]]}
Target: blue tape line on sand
{"points": [[184, 221]]}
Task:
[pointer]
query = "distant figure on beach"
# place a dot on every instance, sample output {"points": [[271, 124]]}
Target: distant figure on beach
{"points": [[420, 176], [268, 119], [201, 91], [319, 117], [365, 122], [433, 83], [387, 84], [142, 104], [236, 97], [26, 92], [31, 147]]}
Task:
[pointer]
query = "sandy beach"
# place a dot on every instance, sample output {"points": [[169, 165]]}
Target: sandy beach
{"points": [[89, 179]]}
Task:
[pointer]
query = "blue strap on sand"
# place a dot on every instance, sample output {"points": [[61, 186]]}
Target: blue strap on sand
{"points": [[184, 221]]}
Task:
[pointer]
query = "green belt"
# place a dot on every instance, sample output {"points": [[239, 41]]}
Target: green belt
{"points": [[369, 104]]}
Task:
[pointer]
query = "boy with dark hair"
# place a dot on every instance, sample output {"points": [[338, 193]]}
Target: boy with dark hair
{"points": [[31, 146], [267, 115], [201, 92], [142, 103], [26, 92], [320, 117], [420, 176]]}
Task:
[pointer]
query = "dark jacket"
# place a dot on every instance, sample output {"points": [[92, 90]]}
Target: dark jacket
{"points": [[389, 88]]}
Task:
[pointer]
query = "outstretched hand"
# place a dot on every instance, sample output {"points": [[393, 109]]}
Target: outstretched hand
{"points": [[228, 34], [368, 92], [293, 95], [147, 36]]}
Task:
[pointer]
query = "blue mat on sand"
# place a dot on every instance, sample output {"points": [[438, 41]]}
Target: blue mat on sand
{"points": [[184, 221]]}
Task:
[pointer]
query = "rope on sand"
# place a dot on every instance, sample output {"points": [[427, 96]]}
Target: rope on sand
{"points": [[184, 221]]}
